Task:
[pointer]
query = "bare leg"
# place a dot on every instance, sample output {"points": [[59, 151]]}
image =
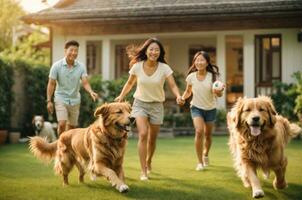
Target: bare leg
{"points": [[199, 132], [152, 135], [142, 127], [61, 126], [208, 138], [70, 127]]}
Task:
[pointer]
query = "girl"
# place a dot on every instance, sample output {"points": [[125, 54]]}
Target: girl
{"points": [[149, 70], [200, 79]]}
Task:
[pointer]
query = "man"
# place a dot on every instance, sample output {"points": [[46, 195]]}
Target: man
{"points": [[64, 82]]}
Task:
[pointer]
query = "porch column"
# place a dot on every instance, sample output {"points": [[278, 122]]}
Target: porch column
{"points": [[248, 65], [221, 63], [106, 59]]}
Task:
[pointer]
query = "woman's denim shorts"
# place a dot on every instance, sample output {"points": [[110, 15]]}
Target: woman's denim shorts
{"points": [[207, 115]]}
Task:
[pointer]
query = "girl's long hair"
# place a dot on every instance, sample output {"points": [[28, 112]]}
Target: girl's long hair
{"points": [[137, 54], [210, 68]]}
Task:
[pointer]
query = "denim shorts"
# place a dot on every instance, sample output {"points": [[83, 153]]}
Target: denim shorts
{"points": [[207, 115], [154, 111]]}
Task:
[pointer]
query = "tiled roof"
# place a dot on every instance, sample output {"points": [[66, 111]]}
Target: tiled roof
{"points": [[117, 10]]}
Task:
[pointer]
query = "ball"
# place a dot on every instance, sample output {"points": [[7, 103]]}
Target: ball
{"points": [[218, 85]]}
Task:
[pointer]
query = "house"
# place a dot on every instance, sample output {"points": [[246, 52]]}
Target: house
{"points": [[253, 42]]}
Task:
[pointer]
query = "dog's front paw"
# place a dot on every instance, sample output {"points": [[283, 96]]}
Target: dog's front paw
{"points": [[123, 188], [93, 177], [279, 185], [266, 175], [258, 193]]}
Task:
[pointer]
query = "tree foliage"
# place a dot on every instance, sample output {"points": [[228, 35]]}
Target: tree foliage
{"points": [[26, 50], [10, 13]]}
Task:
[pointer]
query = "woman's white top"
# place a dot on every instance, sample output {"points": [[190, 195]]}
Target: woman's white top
{"points": [[150, 88], [203, 96]]}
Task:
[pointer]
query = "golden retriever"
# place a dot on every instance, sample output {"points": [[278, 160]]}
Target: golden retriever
{"points": [[257, 140], [100, 147]]}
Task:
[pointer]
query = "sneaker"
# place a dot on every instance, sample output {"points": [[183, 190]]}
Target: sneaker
{"points": [[199, 167], [206, 161], [143, 177]]}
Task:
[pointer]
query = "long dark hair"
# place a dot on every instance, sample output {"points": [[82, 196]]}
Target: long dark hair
{"points": [[210, 68], [137, 54]]}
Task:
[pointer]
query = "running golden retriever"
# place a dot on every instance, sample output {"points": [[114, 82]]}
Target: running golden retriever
{"points": [[99, 147], [258, 136]]}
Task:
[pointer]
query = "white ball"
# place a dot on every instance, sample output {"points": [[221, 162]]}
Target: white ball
{"points": [[218, 85]]}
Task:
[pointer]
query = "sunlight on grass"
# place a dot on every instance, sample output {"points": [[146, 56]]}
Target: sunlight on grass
{"points": [[173, 175]]}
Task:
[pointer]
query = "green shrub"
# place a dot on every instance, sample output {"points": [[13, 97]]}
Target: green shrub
{"points": [[107, 90], [88, 106], [221, 117], [298, 101], [6, 94], [287, 98]]}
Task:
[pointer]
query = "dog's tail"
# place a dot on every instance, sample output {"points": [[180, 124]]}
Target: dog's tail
{"points": [[294, 130], [291, 129], [42, 149]]}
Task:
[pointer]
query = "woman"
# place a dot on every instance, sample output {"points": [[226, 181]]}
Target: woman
{"points": [[149, 70], [200, 79]]}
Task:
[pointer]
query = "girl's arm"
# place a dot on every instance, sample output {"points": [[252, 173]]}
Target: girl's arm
{"points": [[127, 87], [187, 93]]}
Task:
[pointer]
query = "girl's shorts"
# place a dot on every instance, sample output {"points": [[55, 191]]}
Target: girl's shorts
{"points": [[207, 115]]}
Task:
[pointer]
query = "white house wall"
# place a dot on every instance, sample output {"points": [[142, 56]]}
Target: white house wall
{"points": [[178, 45]]}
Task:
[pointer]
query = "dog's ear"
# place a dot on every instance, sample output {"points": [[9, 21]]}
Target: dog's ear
{"points": [[33, 120], [270, 109], [236, 111], [128, 105], [102, 110]]}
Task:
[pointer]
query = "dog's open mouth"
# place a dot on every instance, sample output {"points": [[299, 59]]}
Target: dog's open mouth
{"points": [[255, 128], [125, 127]]}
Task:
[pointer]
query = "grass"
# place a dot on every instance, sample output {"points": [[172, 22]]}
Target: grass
{"points": [[173, 177]]}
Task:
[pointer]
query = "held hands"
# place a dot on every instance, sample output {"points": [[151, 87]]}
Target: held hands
{"points": [[180, 100], [94, 95]]}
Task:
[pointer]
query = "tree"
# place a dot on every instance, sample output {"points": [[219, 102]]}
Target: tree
{"points": [[25, 50], [10, 13]]}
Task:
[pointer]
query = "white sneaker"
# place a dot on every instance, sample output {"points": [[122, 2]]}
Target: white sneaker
{"points": [[143, 177], [206, 161], [199, 167]]}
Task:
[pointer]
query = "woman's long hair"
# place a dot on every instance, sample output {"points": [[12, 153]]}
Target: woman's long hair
{"points": [[210, 68], [137, 54]]}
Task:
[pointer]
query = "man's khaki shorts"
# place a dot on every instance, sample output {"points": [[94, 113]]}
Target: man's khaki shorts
{"points": [[154, 111], [69, 113]]}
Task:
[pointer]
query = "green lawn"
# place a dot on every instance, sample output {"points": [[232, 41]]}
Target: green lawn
{"points": [[24, 177]]}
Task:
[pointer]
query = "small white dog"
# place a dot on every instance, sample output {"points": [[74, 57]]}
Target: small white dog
{"points": [[44, 128]]}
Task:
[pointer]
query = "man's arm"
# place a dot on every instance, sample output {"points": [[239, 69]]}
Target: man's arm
{"points": [[87, 87], [50, 90]]}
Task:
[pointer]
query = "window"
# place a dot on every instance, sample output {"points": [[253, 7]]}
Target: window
{"points": [[268, 62], [91, 58], [121, 61]]}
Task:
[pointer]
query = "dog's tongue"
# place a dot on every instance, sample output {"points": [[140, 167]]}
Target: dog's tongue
{"points": [[255, 130]]}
